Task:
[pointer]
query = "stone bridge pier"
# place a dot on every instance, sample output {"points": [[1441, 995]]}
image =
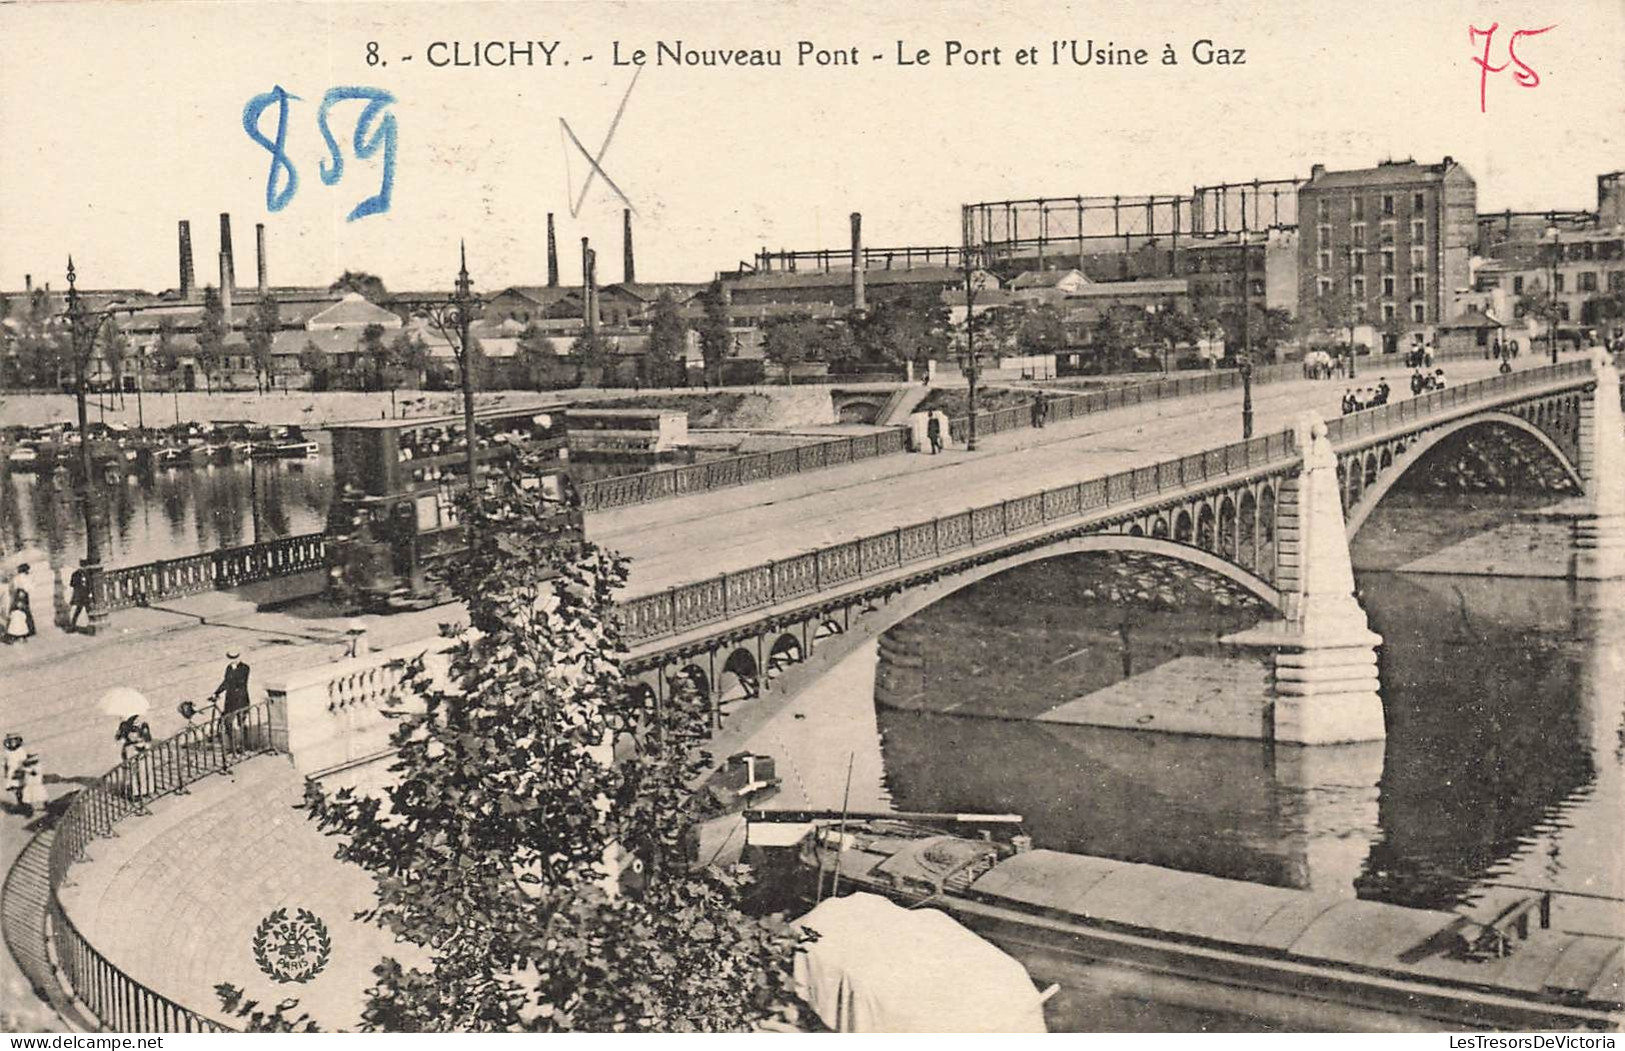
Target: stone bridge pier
{"points": [[1599, 525], [1323, 651]]}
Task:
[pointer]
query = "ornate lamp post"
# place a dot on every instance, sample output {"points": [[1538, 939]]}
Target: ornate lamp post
{"points": [[1555, 250], [1353, 306], [456, 315], [970, 351], [1246, 341], [82, 329]]}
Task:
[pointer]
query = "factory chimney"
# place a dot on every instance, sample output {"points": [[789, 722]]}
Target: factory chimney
{"points": [[259, 259], [225, 241], [552, 255], [857, 263], [626, 226], [226, 278], [28, 283], [589, 288], [188, 281]]}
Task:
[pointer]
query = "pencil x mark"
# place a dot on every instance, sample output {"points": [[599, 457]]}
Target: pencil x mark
{"points": [[596, 162]]}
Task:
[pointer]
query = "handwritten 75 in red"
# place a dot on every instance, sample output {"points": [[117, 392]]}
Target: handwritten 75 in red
{"points": [[1523, 75]]}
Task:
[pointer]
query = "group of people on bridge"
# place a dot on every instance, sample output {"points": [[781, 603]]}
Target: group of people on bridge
{"points": [[1366, 397]]}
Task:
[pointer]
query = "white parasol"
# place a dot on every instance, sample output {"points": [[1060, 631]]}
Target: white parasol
{"points": [[123, 702]]}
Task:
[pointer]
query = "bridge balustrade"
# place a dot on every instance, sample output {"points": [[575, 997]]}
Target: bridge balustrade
{"points": [[127, 586], [664, 614]]}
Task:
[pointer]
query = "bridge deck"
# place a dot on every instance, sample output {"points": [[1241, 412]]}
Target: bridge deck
{"points": [[683, 540]]}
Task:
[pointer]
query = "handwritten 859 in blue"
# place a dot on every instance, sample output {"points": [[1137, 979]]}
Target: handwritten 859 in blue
{"points": [[374, 130]]}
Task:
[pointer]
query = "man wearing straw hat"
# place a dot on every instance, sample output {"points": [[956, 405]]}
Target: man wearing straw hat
{"points": [[234, 685]]}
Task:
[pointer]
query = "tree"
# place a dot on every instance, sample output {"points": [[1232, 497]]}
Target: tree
{"points": [[368, 285], [317, 365], [211, 337], [1169, 326], [668, 342], [408, 358], [589, 354], [716, 333], [1334, 310], [789, 340], [1040, 330], [166, 352], [263, 324], [41, 351], [1542, 303], [490, 847], [1112, 345], [115, 353], [911, 329], [538, 358], [374, 354]]}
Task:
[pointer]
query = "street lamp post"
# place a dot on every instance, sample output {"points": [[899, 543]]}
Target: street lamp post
{"points": [[1246, 342], [82, 335], [456, 315], [1556, 249], [970, 353], [1353, 305], [140, 383], [254, 493]]}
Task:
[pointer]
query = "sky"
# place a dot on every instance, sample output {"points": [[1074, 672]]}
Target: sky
{"points": [[118, 120]]}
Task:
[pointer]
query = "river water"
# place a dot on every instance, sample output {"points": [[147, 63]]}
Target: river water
{"points": [[1503, 761], [168, 513]]}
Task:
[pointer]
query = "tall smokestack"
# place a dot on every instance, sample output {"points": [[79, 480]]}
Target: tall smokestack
{"points": [[28, 283], [226, 278], [259, 259], [626, 226], [589, 289], [857, 263], [552, 255], [188, 280], [225, 241]]}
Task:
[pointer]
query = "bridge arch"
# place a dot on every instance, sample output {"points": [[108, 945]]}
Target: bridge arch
{"points": [[1362, 503], [904, 606], [740, 676]]}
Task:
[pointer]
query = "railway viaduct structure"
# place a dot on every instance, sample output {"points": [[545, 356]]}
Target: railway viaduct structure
{"points": [[1274, 514]]}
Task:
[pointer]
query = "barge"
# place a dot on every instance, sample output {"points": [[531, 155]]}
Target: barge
{"points": [[1279, 957]]}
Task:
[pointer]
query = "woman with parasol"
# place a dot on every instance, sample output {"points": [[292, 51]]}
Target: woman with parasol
{"points": [[134, 735]]}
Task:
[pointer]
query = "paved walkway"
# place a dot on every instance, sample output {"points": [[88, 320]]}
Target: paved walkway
{"points": [[176, 900], [686, 539], [50, 687]]}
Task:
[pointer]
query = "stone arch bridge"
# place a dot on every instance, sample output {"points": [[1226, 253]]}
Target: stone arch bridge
{"points": [[1273, 514]]}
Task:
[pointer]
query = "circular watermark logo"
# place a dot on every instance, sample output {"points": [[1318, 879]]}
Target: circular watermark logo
{"points": [[292, 950]]}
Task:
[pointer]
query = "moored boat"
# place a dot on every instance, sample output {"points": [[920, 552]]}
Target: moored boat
{"points": [[1276, 956], [25, 458], [286, 443]]}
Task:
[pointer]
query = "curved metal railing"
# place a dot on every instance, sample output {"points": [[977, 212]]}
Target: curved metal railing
{"points": [[121, 1003]]}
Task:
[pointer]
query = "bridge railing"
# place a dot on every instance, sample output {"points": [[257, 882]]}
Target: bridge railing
{"points": [[609, 493], [126, 586], [715, 600], [1386, 417], [120, 1002]]}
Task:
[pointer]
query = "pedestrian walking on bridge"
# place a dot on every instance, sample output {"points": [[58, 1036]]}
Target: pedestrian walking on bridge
{"points": [[234, 687], [933, 433]]}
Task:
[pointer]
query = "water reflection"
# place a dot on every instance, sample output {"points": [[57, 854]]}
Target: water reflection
{"points": [[167, 513], [1503, 761]]}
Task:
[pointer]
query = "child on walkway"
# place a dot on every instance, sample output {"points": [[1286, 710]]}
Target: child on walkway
{"points": [[31, 786]]}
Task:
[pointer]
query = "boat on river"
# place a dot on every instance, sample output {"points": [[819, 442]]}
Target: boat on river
{"points": [[25, 459], [1280, 957], [285, 443]]}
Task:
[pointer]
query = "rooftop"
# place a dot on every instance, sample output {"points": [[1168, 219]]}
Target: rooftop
{"points": [[1388, 173]]}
